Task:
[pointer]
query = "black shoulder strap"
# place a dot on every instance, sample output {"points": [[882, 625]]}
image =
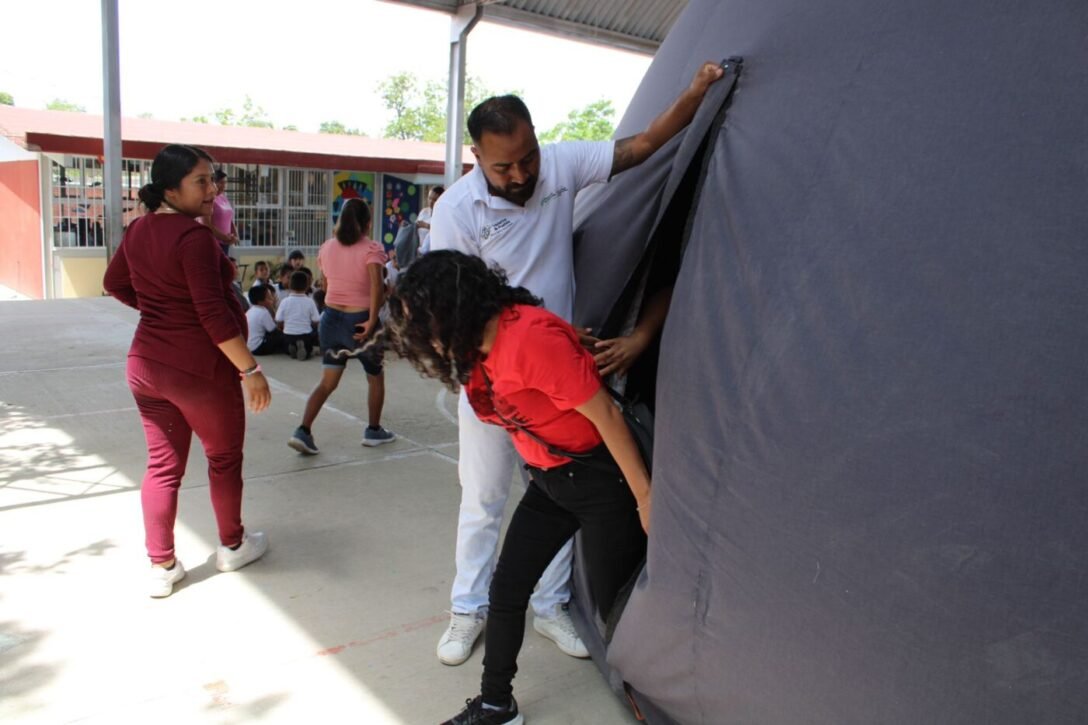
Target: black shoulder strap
{"points": [[548, 446]]}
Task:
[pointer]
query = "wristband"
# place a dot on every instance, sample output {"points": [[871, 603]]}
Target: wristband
{"points": [[252, 371]]}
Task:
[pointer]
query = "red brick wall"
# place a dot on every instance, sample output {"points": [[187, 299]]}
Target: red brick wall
{"points": [[20, 228]]}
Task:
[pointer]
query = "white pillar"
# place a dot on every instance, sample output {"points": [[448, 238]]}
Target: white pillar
{"points": [[461, 24], [111, 137], [45, 191]]}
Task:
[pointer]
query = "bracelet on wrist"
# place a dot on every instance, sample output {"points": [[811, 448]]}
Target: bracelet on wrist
{"points": [[251, 371]]}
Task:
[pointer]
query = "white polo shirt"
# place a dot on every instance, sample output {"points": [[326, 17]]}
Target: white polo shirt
{"points": [[298, 313], [534, 244], [260, 323]]}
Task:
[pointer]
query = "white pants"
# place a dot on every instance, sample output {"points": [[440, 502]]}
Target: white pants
{"points": [[486, 467]]}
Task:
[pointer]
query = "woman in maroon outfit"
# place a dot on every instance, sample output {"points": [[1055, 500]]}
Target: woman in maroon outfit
{"points": [[186, 359]]}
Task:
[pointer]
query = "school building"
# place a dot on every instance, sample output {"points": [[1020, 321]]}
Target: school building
{"points": [[286, 188]]}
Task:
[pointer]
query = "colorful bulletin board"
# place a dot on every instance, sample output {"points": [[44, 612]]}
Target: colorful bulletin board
{"points": [[401, 204], [351, 185]]}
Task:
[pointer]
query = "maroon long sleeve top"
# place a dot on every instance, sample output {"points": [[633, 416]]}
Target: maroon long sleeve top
{"points": [[170, 268]]}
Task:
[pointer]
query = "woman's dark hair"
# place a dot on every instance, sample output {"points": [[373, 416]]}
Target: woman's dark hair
{"points": [[498, 114], [296, 254], [172, 164], [353, 222], [443, 303], [257, 293], [300, 281]]}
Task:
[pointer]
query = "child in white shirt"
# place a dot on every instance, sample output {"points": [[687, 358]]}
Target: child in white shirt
{"points": [[298, 318], [265, 337]]}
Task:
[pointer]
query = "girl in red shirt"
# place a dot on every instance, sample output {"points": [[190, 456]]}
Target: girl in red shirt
{"points": [[524, 368], [186, 358]]}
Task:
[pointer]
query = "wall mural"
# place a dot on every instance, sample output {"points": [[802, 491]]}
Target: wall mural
{"points": [[351, 185], [401, 203]]}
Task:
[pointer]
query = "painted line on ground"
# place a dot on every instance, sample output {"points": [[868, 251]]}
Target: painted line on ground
{"points": [[395, 456], [66, 369], [391, 633], [291, 390], [86, 413], [440, 403]]}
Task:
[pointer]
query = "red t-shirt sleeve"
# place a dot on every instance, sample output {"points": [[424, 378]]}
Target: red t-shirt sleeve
{"points": [[551, 360]]}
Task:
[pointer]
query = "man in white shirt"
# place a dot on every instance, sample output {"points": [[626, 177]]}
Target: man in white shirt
{"points": [[423, 221], [516, 210]]}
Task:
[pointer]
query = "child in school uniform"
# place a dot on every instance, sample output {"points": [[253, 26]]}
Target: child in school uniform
{"points": [[298, 317], [265, 337]]}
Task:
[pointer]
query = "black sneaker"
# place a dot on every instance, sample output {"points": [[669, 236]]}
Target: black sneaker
{"points": [[476, 714]]}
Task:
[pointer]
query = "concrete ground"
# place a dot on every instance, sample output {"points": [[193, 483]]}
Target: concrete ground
{"points": [[337, 624]]}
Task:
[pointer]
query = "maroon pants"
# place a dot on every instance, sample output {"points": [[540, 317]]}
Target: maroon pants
{"points": [[173, 405]]}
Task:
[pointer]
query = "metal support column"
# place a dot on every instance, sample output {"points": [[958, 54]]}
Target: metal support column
{"points": [[461, 24], [111, 113], [330, 197], [45, 192]]}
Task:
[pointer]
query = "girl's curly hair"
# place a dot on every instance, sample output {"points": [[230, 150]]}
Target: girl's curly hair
{"points": [[439, 310]]}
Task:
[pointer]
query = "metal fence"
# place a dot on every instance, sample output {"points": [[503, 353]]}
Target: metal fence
{"points": [[309, 207], [79, 199], [273, 206], [279, 207]]}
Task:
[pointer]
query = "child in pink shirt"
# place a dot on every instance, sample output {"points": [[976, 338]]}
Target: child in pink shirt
{"points": [[351, 264]]}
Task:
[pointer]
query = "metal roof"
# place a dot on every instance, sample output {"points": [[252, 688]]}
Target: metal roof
{"points": [[635, 25], [65, 132]]}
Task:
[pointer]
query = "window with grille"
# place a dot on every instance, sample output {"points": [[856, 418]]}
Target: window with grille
{"points": [[79, 199], [273, 206]]}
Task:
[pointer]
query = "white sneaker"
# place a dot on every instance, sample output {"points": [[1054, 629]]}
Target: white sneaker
{"points": [[254, 544], [560, 629], [456, 644], [160, 582]]}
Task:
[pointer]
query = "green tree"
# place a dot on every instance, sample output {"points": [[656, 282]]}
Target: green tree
{"points": [[419, 111], [290, 127], [252, 115], [338, 128], [196, 119], [590, 123], [6, 99], [224, 116], [59, 104], [401, 94]]}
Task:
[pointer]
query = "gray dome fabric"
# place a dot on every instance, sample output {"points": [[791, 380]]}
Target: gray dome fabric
{"points": [[871, 455]]}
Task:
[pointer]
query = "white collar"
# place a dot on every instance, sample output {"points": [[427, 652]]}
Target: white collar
{"points": [[477, 183]]}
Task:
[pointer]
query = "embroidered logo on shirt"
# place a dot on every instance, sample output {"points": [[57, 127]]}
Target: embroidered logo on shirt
{"points": [[554, 195], [496, 229]]}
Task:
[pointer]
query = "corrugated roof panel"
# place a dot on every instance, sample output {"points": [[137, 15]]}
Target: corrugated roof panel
{"points": [[647, 19], [638, 25]]}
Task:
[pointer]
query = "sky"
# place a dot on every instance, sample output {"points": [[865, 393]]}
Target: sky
{"points": [[304, 63]]}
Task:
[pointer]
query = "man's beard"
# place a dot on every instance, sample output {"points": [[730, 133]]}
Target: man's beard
{"points": [[517, 193]]}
